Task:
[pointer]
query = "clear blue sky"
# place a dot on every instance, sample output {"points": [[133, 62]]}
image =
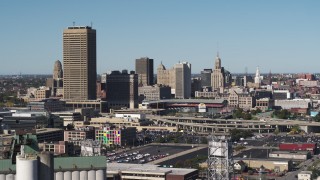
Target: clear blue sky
{"points": [[281, 36]]}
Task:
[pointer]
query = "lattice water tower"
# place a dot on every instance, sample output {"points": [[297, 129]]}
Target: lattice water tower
{"points": [[220, 161]]}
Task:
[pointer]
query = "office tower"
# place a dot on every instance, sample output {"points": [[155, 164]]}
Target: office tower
{"points": [[183, 80], [178, 78], [57, 79], [206, 77], [217, 77], [79, 63], [144, 69], [122, 89], [258, 78]]}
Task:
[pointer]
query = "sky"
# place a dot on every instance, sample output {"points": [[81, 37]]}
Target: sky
{"points": [[278, 36]]}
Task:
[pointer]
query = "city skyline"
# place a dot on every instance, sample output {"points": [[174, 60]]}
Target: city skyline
{"points": [[277, 36]]}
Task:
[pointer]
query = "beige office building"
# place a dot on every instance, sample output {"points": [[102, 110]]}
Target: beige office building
{"points": [[217, 76], [79, 63], [178, 78]]}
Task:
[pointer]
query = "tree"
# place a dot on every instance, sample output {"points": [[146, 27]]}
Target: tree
{"points": [[238, 113], [247, 116], [70, 127]]}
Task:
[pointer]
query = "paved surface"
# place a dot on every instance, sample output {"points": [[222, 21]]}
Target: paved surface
{"points": [[177, 155]]}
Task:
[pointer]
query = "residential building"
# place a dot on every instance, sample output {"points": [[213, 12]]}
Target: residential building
{"points": [[79, 63]]}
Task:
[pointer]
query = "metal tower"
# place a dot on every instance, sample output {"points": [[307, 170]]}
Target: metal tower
{"points": [[220, 161]]}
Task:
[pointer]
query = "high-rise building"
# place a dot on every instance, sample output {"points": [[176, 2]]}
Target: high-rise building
{"points": [[79, 63], [218, 77], [144, 69], [258, 78], [206, 77], [178, 78], [183, 80], [122, 89], [57, 78]]}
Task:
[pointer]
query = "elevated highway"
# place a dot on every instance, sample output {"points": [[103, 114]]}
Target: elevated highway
{"points": [[207, 125]]}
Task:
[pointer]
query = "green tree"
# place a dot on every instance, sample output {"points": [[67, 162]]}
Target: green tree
{"points": [[238, 113]]}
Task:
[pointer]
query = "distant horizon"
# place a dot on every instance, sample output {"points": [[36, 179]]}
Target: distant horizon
{"points": [[281, 36], [156, 74]]}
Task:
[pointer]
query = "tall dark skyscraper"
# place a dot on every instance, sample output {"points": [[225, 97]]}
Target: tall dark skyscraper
{"points": [[79, 63], [206, 77], [144, 69]]}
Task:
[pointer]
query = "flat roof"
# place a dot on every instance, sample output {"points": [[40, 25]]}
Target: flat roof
{"points": [[290, 152], [147, 168], [207, 101], [46, 130]]}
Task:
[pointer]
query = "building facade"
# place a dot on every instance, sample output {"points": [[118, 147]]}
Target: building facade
{"points": [[111, 136], [151, 93], [206, 77], [122, 89], [57, 79], [79, 63], [217, 76], [178, 78], [144, 69]]}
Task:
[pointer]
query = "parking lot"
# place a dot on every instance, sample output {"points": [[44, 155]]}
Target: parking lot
{"points": [[146, 154]]}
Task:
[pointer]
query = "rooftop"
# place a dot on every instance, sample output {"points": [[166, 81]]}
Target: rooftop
{"points": [[147, 168]]}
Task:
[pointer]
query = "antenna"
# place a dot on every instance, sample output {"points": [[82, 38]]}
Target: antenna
{"points": [[74, 23], [246, 70], [91, 24]]}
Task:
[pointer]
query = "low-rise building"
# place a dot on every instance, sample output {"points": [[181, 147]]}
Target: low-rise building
{"points": [[295, 103], [111, 136], [97, 105], [153, 93], [264, 104], [78, 135], [278, 165], [69, 117], [147, 171], [57, 148], [294, 155], [49, 104], [49, 134], [305, 175]]}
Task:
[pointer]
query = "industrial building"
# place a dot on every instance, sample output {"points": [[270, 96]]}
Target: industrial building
{"points": [[126, 171], [278, 165], [311, 147], [27, 163], [294, 155]]}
